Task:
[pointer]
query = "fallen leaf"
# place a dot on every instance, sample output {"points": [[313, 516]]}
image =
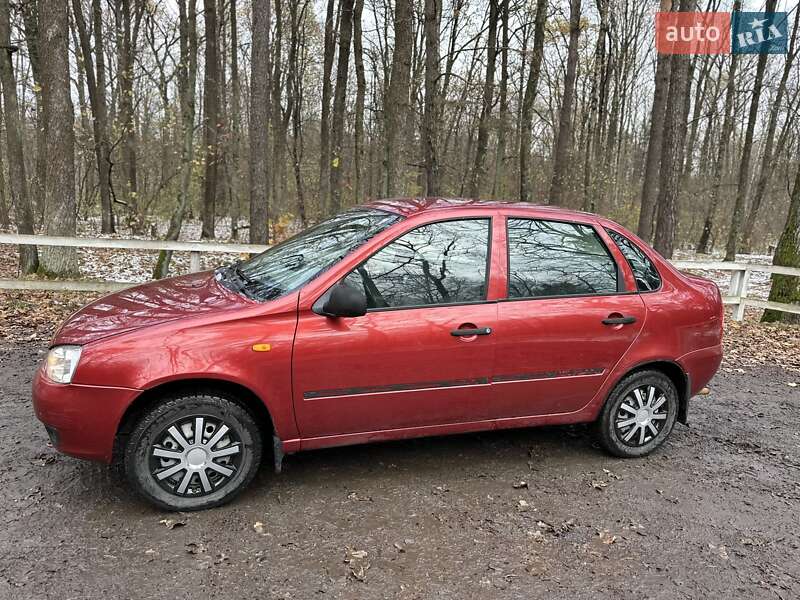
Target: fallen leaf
{"points": [[173, 523], [352, 555], [606, 537]]}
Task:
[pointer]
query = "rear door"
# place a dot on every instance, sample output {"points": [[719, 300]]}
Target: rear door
{"points": [[566, 322], [423, 353]]}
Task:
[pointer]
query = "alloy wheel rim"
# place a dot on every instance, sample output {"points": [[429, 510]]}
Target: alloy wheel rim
{"points": [[195, 456], [641, 415]]}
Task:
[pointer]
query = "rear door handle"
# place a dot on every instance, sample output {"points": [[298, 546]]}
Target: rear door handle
{"points": [[619, 320], [469, 332]]}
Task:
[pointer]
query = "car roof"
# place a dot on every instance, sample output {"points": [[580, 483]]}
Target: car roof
{"points": [[413, 206]]}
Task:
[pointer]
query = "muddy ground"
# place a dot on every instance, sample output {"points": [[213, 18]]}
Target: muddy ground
{"points": [[714, 514]]}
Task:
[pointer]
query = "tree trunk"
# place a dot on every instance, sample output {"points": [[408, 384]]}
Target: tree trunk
{"points": [[498, 183], [96, 84], [478, 171], [593, 127], [339, 97], [785, 288], [564, 137], [747, 149], [259, 124], [294, 101], [672, 150], [28, 257], [768, 157], [57, 110], [432, 101], [526, 118], [396, 108], [187, 79], [277, 114], [361, 92], [211, 117], [30, 19], [5, 218], [236, 126], [329, 49], [127, 39], [655, 142]]}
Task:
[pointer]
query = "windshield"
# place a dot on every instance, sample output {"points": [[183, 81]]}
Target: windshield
{"points": [[296, 261]]}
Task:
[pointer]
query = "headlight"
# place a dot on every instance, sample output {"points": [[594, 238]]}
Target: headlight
{"points": [[61, 363]]}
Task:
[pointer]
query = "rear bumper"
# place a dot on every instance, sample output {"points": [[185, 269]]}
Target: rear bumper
{"points": [[81, 420], [700, 367]]}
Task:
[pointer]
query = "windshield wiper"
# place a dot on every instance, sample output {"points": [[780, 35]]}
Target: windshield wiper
{"points": [[256, 288]]}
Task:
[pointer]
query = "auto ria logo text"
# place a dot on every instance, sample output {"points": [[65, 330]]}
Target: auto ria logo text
{"points": [[721, 32]]}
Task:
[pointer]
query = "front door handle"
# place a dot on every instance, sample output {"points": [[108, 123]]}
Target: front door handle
{"points": [[619, 320], [471, 332]]}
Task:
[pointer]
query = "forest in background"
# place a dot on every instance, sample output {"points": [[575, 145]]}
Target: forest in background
{"points": [[122, 115]]}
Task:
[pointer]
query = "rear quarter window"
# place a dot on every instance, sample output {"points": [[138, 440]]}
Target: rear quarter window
{"points": [[645, 272]]}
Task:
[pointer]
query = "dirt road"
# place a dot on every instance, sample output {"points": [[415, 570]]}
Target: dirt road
{"points": [[522, 514]]}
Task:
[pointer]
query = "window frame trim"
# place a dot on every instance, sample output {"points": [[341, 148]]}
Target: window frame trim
{"points": [[593, 226], [487, 278]]}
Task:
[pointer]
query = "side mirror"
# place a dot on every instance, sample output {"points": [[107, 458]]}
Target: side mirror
{"points": [[342, 300]]}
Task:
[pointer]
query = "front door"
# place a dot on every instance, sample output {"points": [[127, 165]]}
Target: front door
{"points": [[565, 324], [423, 353]]}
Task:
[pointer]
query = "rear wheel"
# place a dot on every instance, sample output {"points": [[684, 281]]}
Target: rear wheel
{"points": [[639, 414], [193, 452]]}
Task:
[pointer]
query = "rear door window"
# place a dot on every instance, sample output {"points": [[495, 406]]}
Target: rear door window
{"points": [[553, 258]]}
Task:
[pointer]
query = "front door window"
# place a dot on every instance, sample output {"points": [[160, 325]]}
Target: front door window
{"points": [[438, 263]]}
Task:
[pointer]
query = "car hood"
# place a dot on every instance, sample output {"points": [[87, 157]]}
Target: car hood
{"points": [[149, 304]]}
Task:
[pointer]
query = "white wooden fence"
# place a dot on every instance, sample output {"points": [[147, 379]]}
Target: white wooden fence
{"points": [[736, 296]]}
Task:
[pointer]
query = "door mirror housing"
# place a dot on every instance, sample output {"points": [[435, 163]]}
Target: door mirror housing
{"points": [[342, 300]]}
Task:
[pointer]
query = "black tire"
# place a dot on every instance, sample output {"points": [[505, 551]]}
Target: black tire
{"points": [[240, 439], [625, 440]]}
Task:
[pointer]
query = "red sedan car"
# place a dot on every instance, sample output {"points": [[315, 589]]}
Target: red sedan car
{"points": [[397, 319]]}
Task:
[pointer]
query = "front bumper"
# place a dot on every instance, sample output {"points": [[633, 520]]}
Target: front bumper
{"points": [[81, 420]]}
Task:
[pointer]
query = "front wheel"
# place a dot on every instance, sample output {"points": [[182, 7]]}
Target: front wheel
{"points": [[193, 452], [638, 415]]}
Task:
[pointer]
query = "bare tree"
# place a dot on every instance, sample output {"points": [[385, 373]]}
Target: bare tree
{"points": [[526, 117], [563, 138], [339, 97], [324, 123], [397, 109], [722, 152], [747, 149], [432, 102], [128, 25], [478, 171], [655, 142], [672, 150], [770, 148], [28, 257], [361, 92], [259, 124], [96, 84], [211, 117], [187, 81], [295, 101], [236, 125], [59, 118]]}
